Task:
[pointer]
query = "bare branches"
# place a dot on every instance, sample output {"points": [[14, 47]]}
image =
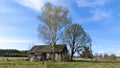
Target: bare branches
{"points": [[54, 19], [76, 37]]}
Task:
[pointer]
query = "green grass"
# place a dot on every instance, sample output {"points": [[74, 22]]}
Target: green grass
{"points": [[21, 64], [27, 64], [85, 65]]}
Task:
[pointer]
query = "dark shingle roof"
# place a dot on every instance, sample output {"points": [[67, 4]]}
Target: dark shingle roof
{"points": [[47, 48]]}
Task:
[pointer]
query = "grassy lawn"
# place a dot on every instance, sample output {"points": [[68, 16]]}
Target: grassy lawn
{"points": [[27, 64]]}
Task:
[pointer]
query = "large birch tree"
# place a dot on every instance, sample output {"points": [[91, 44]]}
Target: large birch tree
{"points": [[54, 20]]}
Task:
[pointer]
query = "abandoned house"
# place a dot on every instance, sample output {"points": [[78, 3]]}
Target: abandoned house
{"points": [[45, 52]]}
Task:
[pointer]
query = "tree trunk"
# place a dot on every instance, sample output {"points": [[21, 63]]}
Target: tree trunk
{"points": [[72, 52], [53, 53], [53, 49]]}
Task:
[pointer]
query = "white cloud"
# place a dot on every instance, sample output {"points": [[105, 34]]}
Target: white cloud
{"points": [[15, 40], [98, 11], [17, 43], [84, 3], [6, 10], [91, 3], [38, 4], [101, 15], [20, 46], [103, 50], [34, 4]]}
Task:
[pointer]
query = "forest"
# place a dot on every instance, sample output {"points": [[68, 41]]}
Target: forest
{"points": [[13, 53]]}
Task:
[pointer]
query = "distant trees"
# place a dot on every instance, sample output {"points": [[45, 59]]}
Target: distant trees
{"points": [[13, 53], [76, 38], [109, 57], [105, 56], [53, 21]]}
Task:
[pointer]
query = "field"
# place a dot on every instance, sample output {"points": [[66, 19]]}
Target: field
{"points": [[27, 64], [21, 63]]}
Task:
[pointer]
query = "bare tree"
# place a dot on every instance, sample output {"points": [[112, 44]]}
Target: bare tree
{"points": [[75, 37], [53, 22]]}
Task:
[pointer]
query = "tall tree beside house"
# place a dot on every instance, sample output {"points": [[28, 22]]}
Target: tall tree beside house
{"points": [[75, 37], [53, 19]]}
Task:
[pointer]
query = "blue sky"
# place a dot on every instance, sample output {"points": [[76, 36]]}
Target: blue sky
{"points": [[99, 18]]}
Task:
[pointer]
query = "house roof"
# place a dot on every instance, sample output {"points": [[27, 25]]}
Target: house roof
{"points": [[47, 48]]}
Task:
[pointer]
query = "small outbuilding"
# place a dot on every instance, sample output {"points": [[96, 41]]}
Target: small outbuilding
{"points": [[45, 52]]}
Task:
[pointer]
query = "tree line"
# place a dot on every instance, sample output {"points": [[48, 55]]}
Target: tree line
{"points": [[105, 56], [13, 53]]}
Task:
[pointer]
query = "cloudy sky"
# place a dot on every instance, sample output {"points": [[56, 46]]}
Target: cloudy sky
{"points": [[99, 18]]}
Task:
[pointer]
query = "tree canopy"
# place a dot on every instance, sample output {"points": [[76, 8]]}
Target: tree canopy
{"points": [[53, 21]]}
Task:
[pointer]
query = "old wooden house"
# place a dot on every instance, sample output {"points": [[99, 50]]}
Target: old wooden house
{"points": [[45, 52]]}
